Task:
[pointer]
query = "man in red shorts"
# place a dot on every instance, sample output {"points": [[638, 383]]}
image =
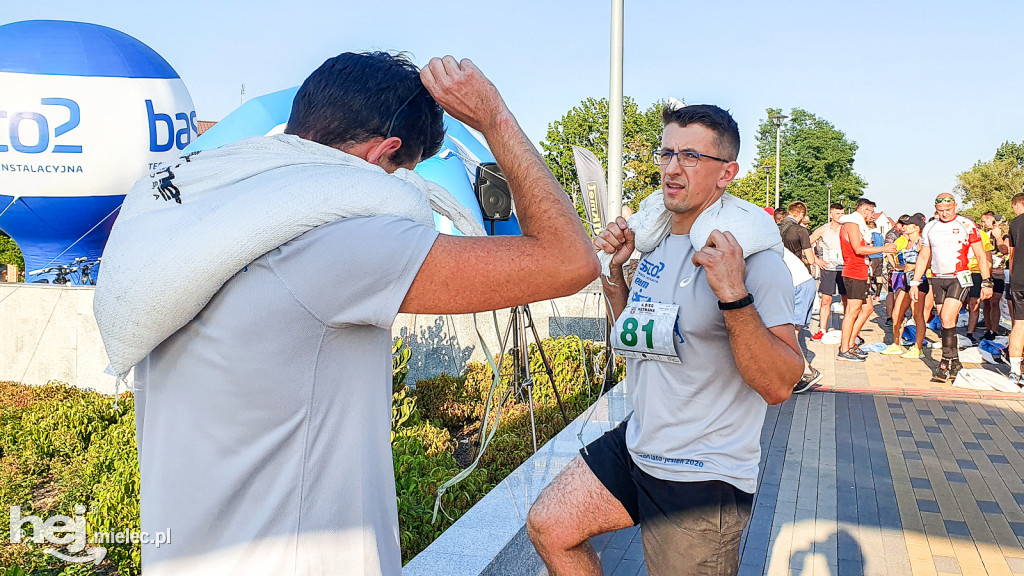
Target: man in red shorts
{"points": [[945, 242], [856, 274]]}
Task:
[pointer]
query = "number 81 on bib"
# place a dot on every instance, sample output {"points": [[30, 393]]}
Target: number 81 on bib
{"points": [[645, 330]]}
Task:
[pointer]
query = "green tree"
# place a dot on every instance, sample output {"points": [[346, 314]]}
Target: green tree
{"points": [[586, 125], [989, 185], [751, 187], [813, 153], [9, 252]]}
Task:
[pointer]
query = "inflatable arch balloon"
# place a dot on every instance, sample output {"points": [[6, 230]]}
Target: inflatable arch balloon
{"points": [[85, 111], [454, 167]]}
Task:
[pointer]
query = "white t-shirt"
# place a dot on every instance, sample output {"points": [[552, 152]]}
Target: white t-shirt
{"points": [[796, 268], [950, 243], [699, 420], [264, 423]]}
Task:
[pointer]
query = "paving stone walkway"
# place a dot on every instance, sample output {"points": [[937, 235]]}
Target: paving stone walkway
{"points": [[879, 471]]}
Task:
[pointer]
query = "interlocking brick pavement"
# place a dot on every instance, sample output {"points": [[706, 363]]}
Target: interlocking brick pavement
{"points": [[880, 471]]}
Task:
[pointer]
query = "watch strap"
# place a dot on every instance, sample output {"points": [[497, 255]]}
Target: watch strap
{"points": [[742, 302]]}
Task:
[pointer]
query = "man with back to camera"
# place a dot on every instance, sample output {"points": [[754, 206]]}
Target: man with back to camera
{"points": [[831, 273], [796, 238], [945, 242], [685, 465], [1015, 291], [856, 276], [263, 423], [995, 227]]}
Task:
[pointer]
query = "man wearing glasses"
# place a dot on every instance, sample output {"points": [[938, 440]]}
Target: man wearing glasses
{"points": [[945, 242], [685, 465]]}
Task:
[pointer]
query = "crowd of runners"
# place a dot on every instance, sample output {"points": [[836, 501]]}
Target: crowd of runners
{"points": [[928, 271]]}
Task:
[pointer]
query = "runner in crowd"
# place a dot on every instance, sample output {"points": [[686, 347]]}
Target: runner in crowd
{"points": [[908, 246], [1015, 294], [826, 238], [894, 233], [795, 237], [855, 275], [803, 300], [945, 243], [974, 294], [876, 263], [996, 227]]}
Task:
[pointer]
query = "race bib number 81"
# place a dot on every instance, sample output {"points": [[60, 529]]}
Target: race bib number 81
{"points": [[645, 330]]}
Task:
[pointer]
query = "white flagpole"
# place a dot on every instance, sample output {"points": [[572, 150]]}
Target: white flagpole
{"points": [[615, 116]]}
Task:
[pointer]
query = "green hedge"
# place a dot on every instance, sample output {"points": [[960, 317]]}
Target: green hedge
{"points": [[60, 446]]}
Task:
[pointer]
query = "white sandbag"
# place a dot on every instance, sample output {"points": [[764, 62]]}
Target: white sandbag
{"points": [[837, 307], [981, 379], [963, 342], [973, 355], [832, 337], [1004, 340]]}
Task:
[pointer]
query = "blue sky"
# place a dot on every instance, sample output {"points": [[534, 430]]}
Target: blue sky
{"points": [[925, 88]]}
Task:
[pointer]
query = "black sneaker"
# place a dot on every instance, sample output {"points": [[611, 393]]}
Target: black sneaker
{"points": [[806, 381], [849, 356], [954, 367], [941, 372], [971, 338], [988, 335], [858, 341], [888, 321], [858, 352]]}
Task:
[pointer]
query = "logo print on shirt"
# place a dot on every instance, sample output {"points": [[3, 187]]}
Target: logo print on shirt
{"points": [[647, 273]]}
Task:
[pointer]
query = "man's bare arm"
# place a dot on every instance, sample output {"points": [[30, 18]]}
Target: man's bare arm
{"points": [[853, 234], [552, 258], [767, 358], [617, 240]]}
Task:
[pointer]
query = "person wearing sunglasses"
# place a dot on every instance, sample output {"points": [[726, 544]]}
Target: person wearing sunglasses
{"points": [[945, 243]]}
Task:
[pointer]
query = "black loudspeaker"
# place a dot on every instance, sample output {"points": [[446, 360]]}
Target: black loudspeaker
{"points": [[492, 192]]}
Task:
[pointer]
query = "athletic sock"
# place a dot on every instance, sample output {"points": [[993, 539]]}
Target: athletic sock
{"points": [[1015, 364]]}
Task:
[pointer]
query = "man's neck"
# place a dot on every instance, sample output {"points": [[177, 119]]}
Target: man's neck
{"points": [[683, 221], [834, 226]]}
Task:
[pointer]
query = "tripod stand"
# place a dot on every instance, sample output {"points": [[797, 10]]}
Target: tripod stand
{"points": [[522, 379]]}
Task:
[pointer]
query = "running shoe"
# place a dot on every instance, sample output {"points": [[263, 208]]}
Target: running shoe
{"points": [[849, 356], [971, 338], [888, 321], [858, 352], [954, 367], [893, 350], [941, 372], [858, 341], [988, 335], [817, 335], [913, 353], [1016, 379], [806, 381]]}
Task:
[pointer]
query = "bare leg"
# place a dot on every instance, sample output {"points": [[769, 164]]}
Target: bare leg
{"points": [[972, 315], [574, 507], [824, 312], [992, 313], [902, 302], [862, 318], [919, 322], [850, 316]]}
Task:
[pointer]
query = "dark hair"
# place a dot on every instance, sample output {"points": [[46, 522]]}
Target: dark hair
{"points": [[864, 202], [835, 206], [727, 133], [779, 216], [352, 98], [797, 207], [989, 213]]}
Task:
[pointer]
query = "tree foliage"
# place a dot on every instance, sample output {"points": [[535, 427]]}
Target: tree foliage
{"points": [[9, 252], [586, 125], [813, 153], [989, 185]]}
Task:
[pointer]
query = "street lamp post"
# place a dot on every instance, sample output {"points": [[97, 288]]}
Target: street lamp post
{"points": [[829, 205], [767, 182], [777, 119]]}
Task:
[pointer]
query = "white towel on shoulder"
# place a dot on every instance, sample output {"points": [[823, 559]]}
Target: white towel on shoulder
{"points": [[752, 227]]}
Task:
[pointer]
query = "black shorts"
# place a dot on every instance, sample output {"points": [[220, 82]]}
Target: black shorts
{"points": [[686, 527], [1017, 298], [946, 288], [998, 285], [831, 280], [856, 289]]}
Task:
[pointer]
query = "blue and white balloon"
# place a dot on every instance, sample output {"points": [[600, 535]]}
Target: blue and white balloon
{"points": [[85, 111]]}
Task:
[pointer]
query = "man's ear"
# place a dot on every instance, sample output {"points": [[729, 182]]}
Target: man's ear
{"points": [[383, 149], [730, 172]]}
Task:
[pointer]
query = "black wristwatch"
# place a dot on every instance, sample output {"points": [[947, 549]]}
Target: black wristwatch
{"points": [[742, 302], [987, 283]]}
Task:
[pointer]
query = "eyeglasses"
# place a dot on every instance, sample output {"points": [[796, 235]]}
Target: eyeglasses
{"points": [[687, 159], [944, 200], [399, 111]]}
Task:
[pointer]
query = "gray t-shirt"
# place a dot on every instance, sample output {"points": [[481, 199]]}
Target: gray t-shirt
{"points": [[699, 420], [264, 423]]}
